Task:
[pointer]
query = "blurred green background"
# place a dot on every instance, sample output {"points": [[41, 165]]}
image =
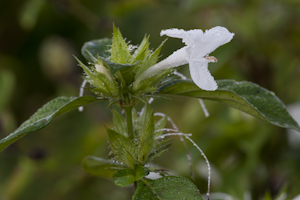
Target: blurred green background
{"points": [[37, 40]]}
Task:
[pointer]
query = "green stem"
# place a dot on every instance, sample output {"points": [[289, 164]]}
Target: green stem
{"points": [[128, 112]]}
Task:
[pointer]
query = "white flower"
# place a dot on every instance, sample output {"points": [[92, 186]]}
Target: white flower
{"points": [[195, 53]]}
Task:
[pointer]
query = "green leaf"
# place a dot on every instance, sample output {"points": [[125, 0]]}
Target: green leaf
{"points": [[140, 172], [115, 67], [120, 52], [245, 96], [120, 124], [125, 177], [160, 124], [161, 146], [97, 80], [142, 51], [99, 47], [146, 144], [166, 188], [44, 115], [100, 166], [150, 61], [122, 147]]}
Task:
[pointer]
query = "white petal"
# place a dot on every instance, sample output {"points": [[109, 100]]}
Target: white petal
{"points": [[210, 41], [187, 37], [201, 76]]}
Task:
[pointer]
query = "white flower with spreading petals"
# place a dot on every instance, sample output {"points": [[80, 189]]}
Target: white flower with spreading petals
{"points": [[198, 45]]}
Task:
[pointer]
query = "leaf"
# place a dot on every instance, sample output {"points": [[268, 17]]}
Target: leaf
{"points": [[142, 51], [150, 61], [100, 166], [160, 148], [140, 172], [160, 124], [245, 96], [120, 124], [166, 188], [122, 147], [125, 177], [44, 115], [97, 80], [99, 47], [120, 52], [146, 144], [115, 67]]}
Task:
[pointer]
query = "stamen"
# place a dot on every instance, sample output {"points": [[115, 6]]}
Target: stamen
{"points": [[211, 59]]}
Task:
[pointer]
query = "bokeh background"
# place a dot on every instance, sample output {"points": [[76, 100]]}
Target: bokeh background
{"points": [[248, 156]]}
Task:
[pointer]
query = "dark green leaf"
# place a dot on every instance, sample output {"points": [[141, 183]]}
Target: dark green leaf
{"points": [[100, 166], [125, 177], [145, 133], [140, 172], [245, 96], [122, 148], [120, 124], [99, 47], [160, 124], [167, 188], [115, 67], [44, 116], [146, 143]]}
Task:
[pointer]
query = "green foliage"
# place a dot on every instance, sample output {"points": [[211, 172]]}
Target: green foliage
{"points": [[125, 177], [120, 125], [120, 52], [121, 84], [170, 187], [123, 148], [143, 85], [101, 167], [146, 135], [45, 115], [245, 96], [96, 48], [142, 52], [100, 81]]}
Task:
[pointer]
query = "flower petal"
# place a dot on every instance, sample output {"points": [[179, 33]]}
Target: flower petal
{"points": [[210, 41], [201, 76], [187, 37]]}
